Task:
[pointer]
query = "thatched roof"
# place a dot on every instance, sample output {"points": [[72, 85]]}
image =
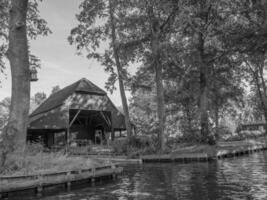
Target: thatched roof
{"points": [[58, 98]]}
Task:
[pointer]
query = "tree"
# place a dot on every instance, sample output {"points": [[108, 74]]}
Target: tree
{"points": [[97, 24], [21, 18], [55, 89], [248, 32], [37, 100], [4, 112], [35, 26], [202, 27], [116, 51], [19, 61], [143, 104], [145, 32]]}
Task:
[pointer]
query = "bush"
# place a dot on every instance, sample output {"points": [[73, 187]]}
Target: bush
{"points": [[137, 146], [119, 146], [34, 148], [244, 134], [192, 136], [222, 133]]}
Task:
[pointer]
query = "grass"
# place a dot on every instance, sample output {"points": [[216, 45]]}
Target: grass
{"points": [[231, 145], [38, 162]]}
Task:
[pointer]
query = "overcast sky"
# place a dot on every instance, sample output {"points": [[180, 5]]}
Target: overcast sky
{"points": [[60, 65]]}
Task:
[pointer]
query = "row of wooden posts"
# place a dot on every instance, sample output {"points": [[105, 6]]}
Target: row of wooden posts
{"points": [[40, 182]]}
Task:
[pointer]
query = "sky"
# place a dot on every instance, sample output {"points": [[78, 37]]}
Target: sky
{"points": [[60, 65]]}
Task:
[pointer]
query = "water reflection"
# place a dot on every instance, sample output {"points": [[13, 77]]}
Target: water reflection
{"points": [[239, 178]]}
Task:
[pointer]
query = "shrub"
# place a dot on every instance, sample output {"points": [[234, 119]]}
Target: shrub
{"points": [[137, 146], [34, 148], [192, 136], [222, 133]]}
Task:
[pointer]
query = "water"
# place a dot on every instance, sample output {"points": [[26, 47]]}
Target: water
{"points": [[239, 178]]}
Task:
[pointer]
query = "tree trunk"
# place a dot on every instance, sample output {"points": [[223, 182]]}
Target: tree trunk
{"points": [[159, 86], [258, 86], [216, 116], [203, 106], [260, 83], [20, 72], [155, 49], [160, 104], [189, 119], [120, 71]]}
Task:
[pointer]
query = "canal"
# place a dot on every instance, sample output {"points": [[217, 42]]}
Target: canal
{"points": [[237, 178]]}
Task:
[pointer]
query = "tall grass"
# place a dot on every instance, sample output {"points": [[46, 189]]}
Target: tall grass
{"points": [[35, 161]]}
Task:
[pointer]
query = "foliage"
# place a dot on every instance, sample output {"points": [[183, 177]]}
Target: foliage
{"points": [[37, 99], [36, 26], [138, 145], [227, 29], [55, 89], [4, 111]]}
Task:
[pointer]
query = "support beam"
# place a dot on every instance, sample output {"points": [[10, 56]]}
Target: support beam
{"points": [[112, 134], [67, 138], [74, 118], [106, 119]]}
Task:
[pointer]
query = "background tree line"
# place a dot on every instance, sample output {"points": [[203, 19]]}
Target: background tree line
{"points": [[198, 60]]}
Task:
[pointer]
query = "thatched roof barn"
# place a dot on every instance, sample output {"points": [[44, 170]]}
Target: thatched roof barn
{"points": [[80, 111]]}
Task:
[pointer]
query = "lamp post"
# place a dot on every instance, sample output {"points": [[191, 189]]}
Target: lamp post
{"points": [[33, 74]]}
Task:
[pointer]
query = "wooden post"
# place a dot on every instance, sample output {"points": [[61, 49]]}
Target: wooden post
{"points": [[39, 188], [93, 181], [112, 134], [68, 184], [67, 138], [3, 195], [93, 178], [112, 129], [134, 130], [113, 167]]}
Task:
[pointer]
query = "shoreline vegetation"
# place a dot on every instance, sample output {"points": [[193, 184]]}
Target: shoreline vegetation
{"points": [[36, 161], [187, 151], [220, 146]]}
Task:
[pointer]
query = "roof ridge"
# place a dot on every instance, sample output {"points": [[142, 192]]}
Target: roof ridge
{"points": [[91, 86]]}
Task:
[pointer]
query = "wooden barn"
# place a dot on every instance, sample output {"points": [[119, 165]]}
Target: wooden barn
{"points": [[80, 112]]}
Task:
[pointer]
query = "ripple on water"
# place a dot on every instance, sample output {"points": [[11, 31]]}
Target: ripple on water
{"points": [[238, 178]]}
